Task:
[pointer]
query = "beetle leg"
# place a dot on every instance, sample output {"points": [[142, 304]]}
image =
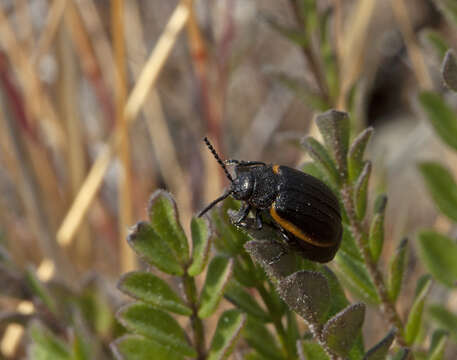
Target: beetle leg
{"points": [[242, 214], [258, 219]]}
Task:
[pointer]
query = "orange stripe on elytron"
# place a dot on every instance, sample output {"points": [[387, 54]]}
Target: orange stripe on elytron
{"points": [[276, 169], [293, 229]]}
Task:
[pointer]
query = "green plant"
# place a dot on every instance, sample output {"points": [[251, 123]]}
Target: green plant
{"points": [[291, 286]]}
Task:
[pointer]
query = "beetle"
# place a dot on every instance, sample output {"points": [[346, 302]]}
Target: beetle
{"points": [[302, 207]]}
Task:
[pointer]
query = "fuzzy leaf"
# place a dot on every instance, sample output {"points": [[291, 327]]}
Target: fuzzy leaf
{"points": [[217, 277], [156, 325], [340, 332], [163, 214], [381, 349], [355, 276], [414, 321], [153, 290], [245, 301], [201, 241], [277, 261], [136, 347], [442, 117], [396, 270], [439, 340], [356, 153], [361, 189], [310, 350], [376, 237], [449, 70], [307, 293], [338, 300], [226, 335], [348, 244], [46, 345], [438, 253], [444, 319], [150, 247], [319, 154], [442, 187], [334, 127], [260, 338]]}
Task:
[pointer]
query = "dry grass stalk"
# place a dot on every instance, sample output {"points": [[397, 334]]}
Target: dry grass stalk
{"points": [[55, 15], [135, 101]]}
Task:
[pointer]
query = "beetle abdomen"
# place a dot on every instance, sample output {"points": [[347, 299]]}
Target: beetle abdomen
{"points": [[308, 211]]}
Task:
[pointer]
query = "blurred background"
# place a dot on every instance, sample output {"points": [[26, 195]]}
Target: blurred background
{"points": [[102, 102]]}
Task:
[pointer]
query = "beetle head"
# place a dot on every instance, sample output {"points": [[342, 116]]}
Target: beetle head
{"points": [[241, 187]]}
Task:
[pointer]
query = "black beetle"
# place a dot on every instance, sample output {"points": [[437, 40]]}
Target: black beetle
{"points": [[302, 207]]}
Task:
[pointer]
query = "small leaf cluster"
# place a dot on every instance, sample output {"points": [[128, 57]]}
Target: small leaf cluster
{"points": [[154, 321], [61, 323], [438, 251]]}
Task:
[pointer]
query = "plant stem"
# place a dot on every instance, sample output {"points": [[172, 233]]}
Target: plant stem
{"points": [[272, 309], [190, 291], [387, 306]]}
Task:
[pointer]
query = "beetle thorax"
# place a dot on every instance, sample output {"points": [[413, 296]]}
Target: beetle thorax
{"points": [[242, 186]]}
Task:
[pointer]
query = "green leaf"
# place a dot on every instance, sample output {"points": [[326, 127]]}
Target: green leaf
{"points": [[348, 244], [439, 340], [438, 253], [136, 347], [320, 155], [150, 247], [334, 127], [39, 290], [260, 338], [226, 335], [449, 70], [376, 236], [360, 191], [442, 117], [436, 40], [355, 276], [396, 270], [311, 350], [338, 300], [245, 301], [201, 245], [401, 354], [163, 214], [307, 293], [46, 345], [310, 167], [414, 321], [301, 90], [356, 153], [153, 290], [442, 187], [157, 325], [444, 319], [381, 349], [340, 332], [217, 277]]}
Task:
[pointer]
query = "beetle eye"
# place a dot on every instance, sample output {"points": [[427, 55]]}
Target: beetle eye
{"points": [[242, 187]]}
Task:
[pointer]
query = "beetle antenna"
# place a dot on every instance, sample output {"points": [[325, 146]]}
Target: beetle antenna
{"points": [[221, 163], [226, 194]]}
